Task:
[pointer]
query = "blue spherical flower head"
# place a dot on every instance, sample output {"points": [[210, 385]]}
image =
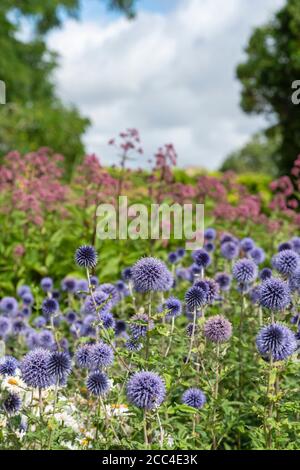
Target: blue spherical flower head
{"points": [[258, 255], [294, 281], [194, 397], [195, 298], [59, 365], [227, 237], [133, 345], [71, 317], [139, 325], [212, 290], [172, 306], [276, 341], [151, 275], [217, 329], [4, 326], [285, 246], [18, 326], [8, 365], [47, 284], [209, 247], [295, 241], [173, 258], [111, 291], [223, 280], [274, 294], [230, 250], [108, 320], [34, 368], [12, 404], [286, 262], [98, 383], [27, 298], [265, 273], [49, 307], [146, 390], [180, 252], [210, 234], [127, 274], [201, 258], [101, 355], [23, 289], [9, 305], [244, 271], [120, 327], [86, 256], [254, 295], [83, 356], [247, 244], [46, 339], [189, 329], [69, 284]]}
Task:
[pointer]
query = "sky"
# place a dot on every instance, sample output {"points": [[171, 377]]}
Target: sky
{"points": [[169, 73]]}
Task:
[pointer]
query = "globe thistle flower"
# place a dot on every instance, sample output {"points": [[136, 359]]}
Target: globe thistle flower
{"points": [[265, 273], [276, 341], [86, 256], [285, 246], [83, 356], [9, 305], [56, 294], [244, 271], [172, 258], [102, 301], [172, 307], [47, 284], [212, 290], [210, 234], [120, 327], [258, 255], [8, 365], [94, 281], [49, 307], [286, 262], [81, 289], [294, 281], [254, 295], [108, 320], [120, 286], [59, 365], [194, 397], [46, 339], [71, 317], [98, 383], [4, 326], [180, 252], [247, 244], [201, 258], [12, 404], [127, 274], [139, 325], [101, 355], [27, 298], [39, 322], [195, 298], [146, 390], [26, 311], [189, 329], [23, 289], [151, 274], [34, 368], [195, 269], [209, 247], [111, 291], [228, 238], [274, 294], [230, 250], [184, 274], [133, 345], [295, 241], [223, 280], [32, 340], [217, 329], [69, 284], [18, 326]]}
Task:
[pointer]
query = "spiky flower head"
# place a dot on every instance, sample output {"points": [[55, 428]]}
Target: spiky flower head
{"points": [[223, 280], [276, 341], [12, 404], [34, 368], [217, 329], [151, 274], [98, 383], [274, 294], [47, 284], [49, 306], [247, 244], [139, 325], [107, 320], [189, 329], [244, 271], [294, 281], [83, 356], [172, 307], [59, 365], [133, 345], [86, 256], [195, 298], [201, 258], [180, 252], [194, 397], [146, 390], [69, 284], [230, 250], [285, 246], [9, 305], [98, 303], [210, 234], [172, 257], [8, 365], [127, 274], [265, 273], [101, 355], [258, 255], [286, 262]]}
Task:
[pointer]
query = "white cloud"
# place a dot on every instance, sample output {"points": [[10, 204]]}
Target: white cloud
{"points": [[170, 75]]}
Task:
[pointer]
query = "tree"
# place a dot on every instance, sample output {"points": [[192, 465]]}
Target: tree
{"points": [[258, 155], [34, 116], [272, 65]]}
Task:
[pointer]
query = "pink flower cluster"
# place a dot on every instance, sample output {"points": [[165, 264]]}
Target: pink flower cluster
{"points": [[32, 183]]}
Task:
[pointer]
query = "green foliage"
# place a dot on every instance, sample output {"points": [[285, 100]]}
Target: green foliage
{"points": [[273, 63]]}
